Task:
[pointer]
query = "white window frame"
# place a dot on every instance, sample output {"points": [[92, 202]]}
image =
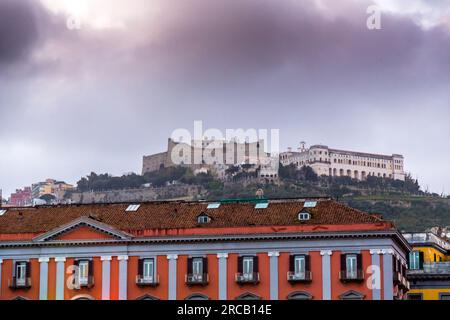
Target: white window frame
{"points": [[299, 266], [83, 272], [148, 269], [248, 266], [197, 266], [414, 260], [203, 219], [351, 266], [21, 272]]}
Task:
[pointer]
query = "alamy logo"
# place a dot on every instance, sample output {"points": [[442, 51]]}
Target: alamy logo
{"points": [[73, 23], [236, 146], [374, 20]]}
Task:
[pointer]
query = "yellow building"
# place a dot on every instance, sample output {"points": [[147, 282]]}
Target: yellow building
{"points": [[50, 187], [429, 265]]}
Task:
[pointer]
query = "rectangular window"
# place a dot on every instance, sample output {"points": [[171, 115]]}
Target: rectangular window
{"points": [[247, 265], [414, 260], [83, 272], [148, 269], [444, 296], [299, 266], [21, 273], [414, 296], [351, 266], [197, 266]]}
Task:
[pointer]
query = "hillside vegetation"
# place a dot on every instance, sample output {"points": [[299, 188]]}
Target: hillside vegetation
{"points": [[400, 201]]}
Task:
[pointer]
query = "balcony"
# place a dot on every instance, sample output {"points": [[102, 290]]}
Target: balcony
{"points": [[19, 283], [87, 282], [299, 277], [405, 284], [244, 278], [431, 268], [193, 279], [142, 281], [347, 276], [401, 281], [398, 278]]}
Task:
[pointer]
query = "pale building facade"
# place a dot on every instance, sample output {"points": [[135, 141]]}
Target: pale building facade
{"points": [[358, 165], [202, 154]]}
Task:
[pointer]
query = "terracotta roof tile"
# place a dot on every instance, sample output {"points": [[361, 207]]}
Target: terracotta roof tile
{"points": [[181, 215]]}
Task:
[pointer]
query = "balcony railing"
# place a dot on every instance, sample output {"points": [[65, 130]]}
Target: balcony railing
{"points": [[147, 281], [405, 283], [347, 276], [197, 279], [299, 276], [19, 283], [87, 282], [398, 278], [243, 278], [437, 268]]}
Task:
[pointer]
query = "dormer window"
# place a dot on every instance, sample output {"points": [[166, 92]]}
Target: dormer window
{"points": [[304, 215], [203, 218]]}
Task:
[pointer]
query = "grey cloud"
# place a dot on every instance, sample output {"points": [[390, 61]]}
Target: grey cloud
{"points": [[106, 97], [19, 29]]}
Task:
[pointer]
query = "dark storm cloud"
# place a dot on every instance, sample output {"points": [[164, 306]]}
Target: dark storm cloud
{"points": [[241, 38], [19, 29]]}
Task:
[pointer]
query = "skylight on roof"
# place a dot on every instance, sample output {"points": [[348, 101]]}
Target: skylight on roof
{"points": [[133, 208], [213, 206], [310, 204], [2, 212], [262, 205]]}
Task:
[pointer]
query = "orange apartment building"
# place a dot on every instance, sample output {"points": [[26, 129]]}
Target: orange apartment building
{"points": [[276, 249]]}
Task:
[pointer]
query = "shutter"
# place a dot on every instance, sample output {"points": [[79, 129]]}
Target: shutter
{"points": [[205, 265], [140, 267], [255, 264], [189, 265], [292, 263], [14, 269], [240, 266], [28, 269], [91, 267], [408, 260], [359, 265], [394, 264], [343, 264], [420, 260], [307, 263]]}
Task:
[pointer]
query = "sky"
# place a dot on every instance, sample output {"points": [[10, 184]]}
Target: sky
{"points": [[93, 85]]}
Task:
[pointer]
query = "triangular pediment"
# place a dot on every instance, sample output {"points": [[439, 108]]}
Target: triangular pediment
{"points": [[248, 296], [83, 228], [351, 295]]}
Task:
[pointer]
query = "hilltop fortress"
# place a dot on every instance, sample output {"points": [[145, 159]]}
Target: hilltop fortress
{"points": [[323, 160], [201, 156]]}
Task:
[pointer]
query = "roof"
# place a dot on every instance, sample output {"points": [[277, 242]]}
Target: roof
{"points": [[183, 215]]}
